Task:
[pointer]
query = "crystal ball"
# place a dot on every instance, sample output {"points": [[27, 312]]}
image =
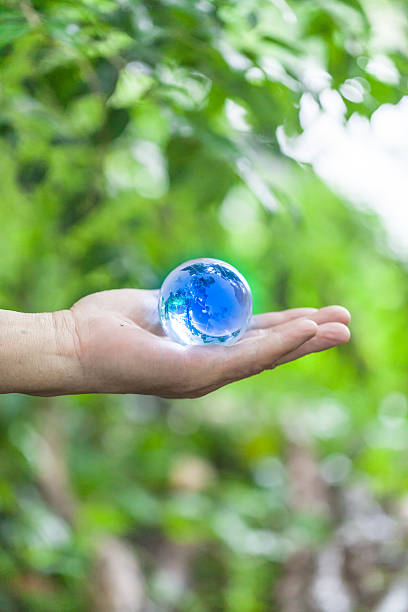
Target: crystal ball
{"points": [[205, 301]]}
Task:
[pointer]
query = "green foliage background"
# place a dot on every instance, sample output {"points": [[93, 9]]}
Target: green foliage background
{"points": [[118, 162]]}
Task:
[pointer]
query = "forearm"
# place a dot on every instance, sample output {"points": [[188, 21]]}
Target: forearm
{"points": [[38, 354]]}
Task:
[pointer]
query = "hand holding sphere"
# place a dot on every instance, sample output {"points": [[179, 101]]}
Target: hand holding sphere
{"points": [[117, 343], [113, 341]]}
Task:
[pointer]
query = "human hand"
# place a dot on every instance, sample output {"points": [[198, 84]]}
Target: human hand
{"points": [[118, 346]]}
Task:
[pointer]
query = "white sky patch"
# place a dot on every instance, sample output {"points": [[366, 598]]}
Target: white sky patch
{"points": [[236, 115], [364, 160], [383, 68], [256, 184], [234, 58], [285, 10]]}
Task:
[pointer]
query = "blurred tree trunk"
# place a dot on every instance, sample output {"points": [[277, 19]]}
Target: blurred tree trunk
{"points": [[52, 472], [312, 581], [117, 583]]}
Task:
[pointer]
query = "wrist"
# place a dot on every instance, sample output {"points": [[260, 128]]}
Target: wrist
{"points": [[39, 353]]}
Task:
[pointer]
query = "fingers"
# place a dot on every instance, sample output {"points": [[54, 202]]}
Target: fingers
{"points": [[257, 353], [208, 368], [269, 319], [204, 369], [337, 314], [324, 315], [328, 336]]}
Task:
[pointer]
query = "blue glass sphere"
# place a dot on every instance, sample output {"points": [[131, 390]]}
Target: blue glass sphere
{"points": [[205, 301]]}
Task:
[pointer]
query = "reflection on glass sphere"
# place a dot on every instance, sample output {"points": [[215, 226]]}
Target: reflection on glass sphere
{"points": [[205, 301]]}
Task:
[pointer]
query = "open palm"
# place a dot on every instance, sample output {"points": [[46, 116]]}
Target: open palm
{"points": [[122, 349]]}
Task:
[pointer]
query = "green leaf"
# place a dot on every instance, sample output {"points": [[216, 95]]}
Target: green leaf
{"points": [[284, 44], [11, 30], [356, 5]]}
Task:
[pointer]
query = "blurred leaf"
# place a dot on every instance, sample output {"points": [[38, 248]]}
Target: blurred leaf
{"points": [[284, 44], [11, 27]]}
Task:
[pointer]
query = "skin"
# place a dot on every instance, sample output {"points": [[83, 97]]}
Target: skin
{"points": [[112, 342]]}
